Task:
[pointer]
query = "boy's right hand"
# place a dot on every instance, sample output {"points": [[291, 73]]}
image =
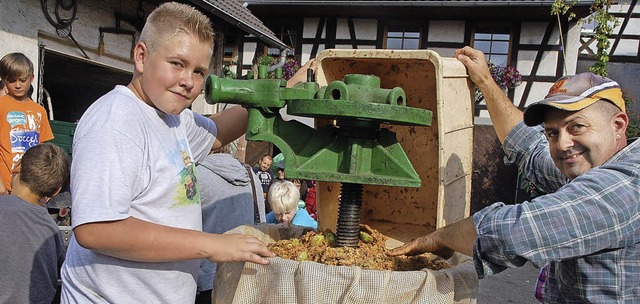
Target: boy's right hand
{"points": [[240, 248]]}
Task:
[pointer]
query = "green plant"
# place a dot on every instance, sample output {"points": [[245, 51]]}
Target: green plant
{"points": [[605, 23], [291, 66], [633, 129], [227, 72], [265, 59]]}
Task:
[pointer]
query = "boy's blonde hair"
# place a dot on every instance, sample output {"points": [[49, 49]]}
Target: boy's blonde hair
{"points": [[170, 19], [283, 196], [14, 66], [44, 168]]}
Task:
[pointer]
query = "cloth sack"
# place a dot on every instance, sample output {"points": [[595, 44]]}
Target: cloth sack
{"points": [[288, 281]]}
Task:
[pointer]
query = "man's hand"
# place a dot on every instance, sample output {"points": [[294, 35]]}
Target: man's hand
{"points": [[421, 245], [3, 189], [476, 64], [457, 237]]}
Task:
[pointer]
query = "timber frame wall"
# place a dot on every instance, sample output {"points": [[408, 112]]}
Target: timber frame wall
{"points": [[539, 58]]}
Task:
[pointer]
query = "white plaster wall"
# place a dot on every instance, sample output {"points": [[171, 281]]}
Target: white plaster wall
{"points": [[533, 32], [627, 47], [306, 50], [342, 29], [310, 27], [446, 31], [547, 65], [572, 46], [633, 27], [538, 91], [248, 51], [444, 52], [366, 28]]}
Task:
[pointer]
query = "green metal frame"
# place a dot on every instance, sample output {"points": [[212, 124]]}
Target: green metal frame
{"points": [[353, 150]]}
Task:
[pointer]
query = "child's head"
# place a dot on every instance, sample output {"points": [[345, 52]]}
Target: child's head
{"points": [[283, 197], [3, 89], [172, 57], [171, 19], [302, 187], [16, 71], [43, 169], [265, 162]]}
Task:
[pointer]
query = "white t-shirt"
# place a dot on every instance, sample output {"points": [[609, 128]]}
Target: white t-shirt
{"points": [[130, 159]]}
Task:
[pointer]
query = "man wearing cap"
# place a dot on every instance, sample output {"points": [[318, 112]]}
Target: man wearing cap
{"points": [[572, 145]]}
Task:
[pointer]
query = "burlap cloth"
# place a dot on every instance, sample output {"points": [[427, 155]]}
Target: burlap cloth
{"points": [[288, 281]]}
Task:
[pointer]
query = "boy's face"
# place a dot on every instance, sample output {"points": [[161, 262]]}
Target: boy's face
{"points": [[173, 75], [286, 217], [19, 87]]}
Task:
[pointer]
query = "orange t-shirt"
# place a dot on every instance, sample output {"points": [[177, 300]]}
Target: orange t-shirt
{"points": [[24, 124]]}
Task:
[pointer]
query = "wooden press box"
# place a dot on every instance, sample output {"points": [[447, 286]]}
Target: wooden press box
{"points": [[441, 153]]}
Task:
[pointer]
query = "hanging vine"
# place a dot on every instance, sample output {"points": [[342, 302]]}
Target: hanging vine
{"points": [[605, 23]]}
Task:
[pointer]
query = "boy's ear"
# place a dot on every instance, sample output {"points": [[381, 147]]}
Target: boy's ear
{"points": [[56, 193], [140, 53]]}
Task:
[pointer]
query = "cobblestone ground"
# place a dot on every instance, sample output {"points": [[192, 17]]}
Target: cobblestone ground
{"points": [[510, 286]]}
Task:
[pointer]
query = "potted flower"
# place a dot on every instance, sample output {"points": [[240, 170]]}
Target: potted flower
{"points": [[507, 77]]}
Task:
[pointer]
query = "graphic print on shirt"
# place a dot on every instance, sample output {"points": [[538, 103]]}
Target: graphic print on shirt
{"points": [[187, 192], [24, 132]]}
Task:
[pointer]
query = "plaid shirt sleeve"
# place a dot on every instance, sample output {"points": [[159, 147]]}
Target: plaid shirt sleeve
{"points": [[597, 211], [529, 149]]}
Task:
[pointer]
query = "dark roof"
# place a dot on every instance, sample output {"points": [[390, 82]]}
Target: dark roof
{"points": [[233, 12], [391, 3]]}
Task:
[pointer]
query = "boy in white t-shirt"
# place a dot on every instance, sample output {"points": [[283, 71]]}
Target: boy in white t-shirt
{"points": [[136, 204]]}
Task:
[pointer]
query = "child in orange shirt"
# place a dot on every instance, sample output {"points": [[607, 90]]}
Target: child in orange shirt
{"points": [[24, 123]]}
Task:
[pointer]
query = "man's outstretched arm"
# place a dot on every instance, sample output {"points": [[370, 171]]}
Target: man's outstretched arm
{"points": [[458, 237], [504, 114]]}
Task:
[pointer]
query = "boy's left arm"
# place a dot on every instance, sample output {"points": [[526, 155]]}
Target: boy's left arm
{"points": [[231, 124], [46, 134]]}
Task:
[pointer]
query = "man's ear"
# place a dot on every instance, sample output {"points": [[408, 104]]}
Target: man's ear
{"points": [[620, 122], [140, 53]]}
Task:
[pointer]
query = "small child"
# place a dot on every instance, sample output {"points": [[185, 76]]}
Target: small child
{"points": [[32, 246], [283, 198], [24, 123], [136, 216]]}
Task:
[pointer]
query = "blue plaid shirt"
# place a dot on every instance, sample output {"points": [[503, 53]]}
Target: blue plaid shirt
{"points": [[587, 230]]}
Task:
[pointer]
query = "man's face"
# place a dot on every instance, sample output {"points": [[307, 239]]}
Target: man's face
{"points": [[18, 88], [579, 141], [173, 75], [265, 164]]}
